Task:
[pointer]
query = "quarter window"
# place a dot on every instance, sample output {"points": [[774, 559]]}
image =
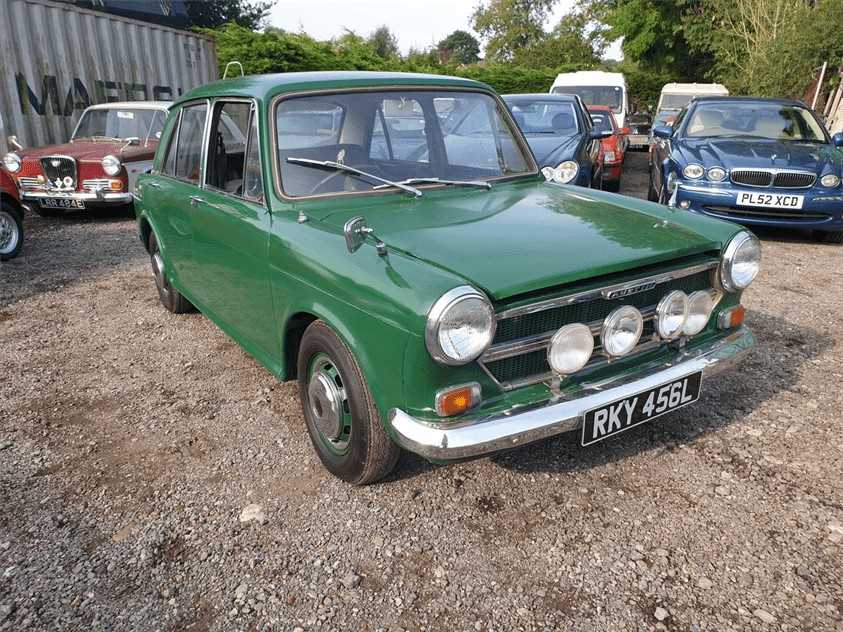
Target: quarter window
{"points": [[189, 150], [227, 146], [252, 175]]}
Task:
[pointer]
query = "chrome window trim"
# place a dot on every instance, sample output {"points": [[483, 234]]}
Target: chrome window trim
{"points": [[182, 106], [532, 165], [589, 295]]}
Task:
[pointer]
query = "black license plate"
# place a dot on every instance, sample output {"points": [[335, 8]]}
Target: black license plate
{"points": [[623, 414], [61, 203]]}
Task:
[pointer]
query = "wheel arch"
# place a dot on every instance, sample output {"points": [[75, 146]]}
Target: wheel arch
{"points": [[11, 200], [144, 231]]}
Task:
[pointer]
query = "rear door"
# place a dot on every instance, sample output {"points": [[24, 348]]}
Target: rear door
{"points": [[169, 194], [230, 223]]}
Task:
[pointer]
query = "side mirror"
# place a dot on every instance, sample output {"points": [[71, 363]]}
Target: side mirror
{"points": [[837, 139], [13, 143], [595, 135], [662, 131], [132, 141]]}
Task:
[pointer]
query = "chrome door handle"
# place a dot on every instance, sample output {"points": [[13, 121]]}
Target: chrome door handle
{"points": [[195, 200], [154, 185]]}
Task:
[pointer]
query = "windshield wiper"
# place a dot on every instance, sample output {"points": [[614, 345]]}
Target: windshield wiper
{"points": [[329, 164], [459, 183]]}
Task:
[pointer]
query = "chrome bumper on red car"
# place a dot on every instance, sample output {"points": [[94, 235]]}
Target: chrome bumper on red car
{"points": [[111, 197]]}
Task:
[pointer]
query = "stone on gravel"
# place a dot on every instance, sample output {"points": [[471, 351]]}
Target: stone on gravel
{"points": [[765, 616], [352, 580], [705, 583], [661, 614], [721, 490], [253, 513], [836, 534]]}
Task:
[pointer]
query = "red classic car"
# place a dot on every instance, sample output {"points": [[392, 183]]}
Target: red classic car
{"points": [[11, 218], [614, 146], [113, 144]]}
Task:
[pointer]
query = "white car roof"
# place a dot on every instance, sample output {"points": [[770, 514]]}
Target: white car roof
{"points": [[700, 89], [136, 105], [593, 77]]}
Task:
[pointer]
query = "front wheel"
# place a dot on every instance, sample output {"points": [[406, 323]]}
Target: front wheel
{"points": [[652, 196], [11, 232], [340, 415]]}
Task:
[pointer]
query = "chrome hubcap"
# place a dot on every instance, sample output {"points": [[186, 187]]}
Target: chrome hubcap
{"points": [[9, 233], [158, 270], [326, 402]]}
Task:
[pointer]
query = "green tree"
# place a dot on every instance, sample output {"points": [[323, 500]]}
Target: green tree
{"points": [[460, 47], [509, 26], [571, 42], [251, 14], [384, 43]]}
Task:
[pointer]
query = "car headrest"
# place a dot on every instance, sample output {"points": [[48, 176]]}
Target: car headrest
{"points": [[769, 126], [562, 121]]}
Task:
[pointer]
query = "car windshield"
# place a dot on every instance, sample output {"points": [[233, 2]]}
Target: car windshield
{"points": [[610, 96], [772, 121], [121, 123], [676, 101], [602, 123], [545, 117], [394, 136]]}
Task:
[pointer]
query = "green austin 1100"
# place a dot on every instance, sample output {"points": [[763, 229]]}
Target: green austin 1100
{"points": [[388, 241]]}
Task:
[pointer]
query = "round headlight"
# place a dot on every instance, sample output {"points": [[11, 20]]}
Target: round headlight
{"points": [[570, 348], [566, 172], [693, 172], [621, 331], [111, 165], [700, 305], [460, 326], [671, 314], [12, 162], [717, 174], [548, 172], [740, 262], [830, 181]]}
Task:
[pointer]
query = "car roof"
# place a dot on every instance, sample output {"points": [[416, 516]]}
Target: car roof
{"points": [[725, 99], [540, 96], [268, 86], [138, 105]]}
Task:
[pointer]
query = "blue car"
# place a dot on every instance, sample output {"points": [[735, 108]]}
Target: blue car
{"points": [[757, 162], [560, 132]]}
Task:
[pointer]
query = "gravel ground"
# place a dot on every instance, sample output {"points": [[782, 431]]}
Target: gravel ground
{"points": [[132, 441]]}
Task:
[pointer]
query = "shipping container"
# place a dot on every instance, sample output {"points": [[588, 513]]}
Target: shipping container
{"points": [[56, 59]]}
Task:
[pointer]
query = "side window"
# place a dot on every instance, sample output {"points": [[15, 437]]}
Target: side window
{"points": [[252, 175], [189, 149], [227, 146]]}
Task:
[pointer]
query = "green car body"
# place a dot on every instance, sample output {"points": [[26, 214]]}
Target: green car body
{"points": [[266, 269]]}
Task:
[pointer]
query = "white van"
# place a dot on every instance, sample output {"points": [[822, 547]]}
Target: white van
{"points": [[596, 88], [676, 96]]}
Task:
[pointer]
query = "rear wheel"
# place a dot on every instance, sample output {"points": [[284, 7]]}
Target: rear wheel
{"points": [[11, 232], [651, 190], [170, 297], [341, 418], [829, 237]]}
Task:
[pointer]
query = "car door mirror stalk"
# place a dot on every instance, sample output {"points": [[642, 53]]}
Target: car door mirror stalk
{"points": [[356, 231]]}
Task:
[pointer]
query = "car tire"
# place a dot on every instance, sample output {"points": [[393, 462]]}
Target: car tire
{"points": [[170, 297], [11, 232], [340, 414], [829, 237]]}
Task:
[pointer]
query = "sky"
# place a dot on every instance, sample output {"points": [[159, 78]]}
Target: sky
{"points": [[417, 23]]}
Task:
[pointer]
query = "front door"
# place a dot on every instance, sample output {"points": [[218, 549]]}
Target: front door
{"points": [[230, 224]]}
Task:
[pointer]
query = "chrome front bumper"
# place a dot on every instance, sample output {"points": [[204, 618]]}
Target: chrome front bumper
{"points": [[86, 196], [445, 441]]}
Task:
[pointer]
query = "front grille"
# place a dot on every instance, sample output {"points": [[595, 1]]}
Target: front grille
{"points": [[772, 177], [29, 184], [752, 178], [771, 214], [96, 184], [794, 180], [518, 354], [56, 169]]}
